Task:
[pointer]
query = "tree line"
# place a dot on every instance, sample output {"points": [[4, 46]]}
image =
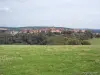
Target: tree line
{"points": [[64, 38]]}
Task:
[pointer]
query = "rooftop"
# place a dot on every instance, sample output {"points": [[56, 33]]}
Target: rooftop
{"points": [[3, 29]]}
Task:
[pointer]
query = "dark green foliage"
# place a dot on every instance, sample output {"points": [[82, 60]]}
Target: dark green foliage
{"points": [[79, 35], [23, 39], [49, 38], [85, 42], [97, 35], [50, 34], [34, 39], [5, 38], [88, 34], [76, 41], [56, 40], [73, 42]]}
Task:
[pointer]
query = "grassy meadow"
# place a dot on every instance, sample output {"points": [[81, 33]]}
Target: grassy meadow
{"points": [[95, 41], [49, 60]]}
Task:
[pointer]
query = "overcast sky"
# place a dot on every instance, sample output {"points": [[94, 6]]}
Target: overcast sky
{"points": [[67, 13]]}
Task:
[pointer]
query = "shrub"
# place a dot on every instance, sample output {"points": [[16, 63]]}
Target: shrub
{"points": [[56, 40], [73, 42], [85, 42]]}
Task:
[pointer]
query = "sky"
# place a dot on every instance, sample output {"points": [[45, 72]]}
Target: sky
{"points": [[63, 13]]}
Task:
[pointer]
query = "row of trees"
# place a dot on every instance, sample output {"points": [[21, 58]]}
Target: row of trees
{"points": [[23, 39], [65, 38]]}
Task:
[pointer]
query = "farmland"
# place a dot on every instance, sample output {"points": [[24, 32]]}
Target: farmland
{"points": [[49, 60]]}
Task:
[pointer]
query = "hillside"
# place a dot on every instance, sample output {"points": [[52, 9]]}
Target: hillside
{"points": [[39, 27]]}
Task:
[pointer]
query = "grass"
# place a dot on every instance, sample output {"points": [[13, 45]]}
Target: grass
{"points": [[49, 60], [95, 41]]}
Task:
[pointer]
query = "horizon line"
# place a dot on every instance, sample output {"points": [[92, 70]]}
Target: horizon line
{"points": [[47, 26]]}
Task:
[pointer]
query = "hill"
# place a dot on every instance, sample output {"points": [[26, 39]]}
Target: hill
{"points": [[39, 27], [96, 30], [30, 27]]}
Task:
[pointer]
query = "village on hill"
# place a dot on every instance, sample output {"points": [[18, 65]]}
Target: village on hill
{"points": [[36, 31]]}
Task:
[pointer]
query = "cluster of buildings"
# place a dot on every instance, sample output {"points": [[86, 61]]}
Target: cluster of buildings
{"points": [[2, 30], [36, 31], [8, 31], [78, 30], [45, 30]]}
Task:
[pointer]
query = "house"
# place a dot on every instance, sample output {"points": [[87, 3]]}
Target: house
{"points": [[35, 31], [45, 30], [53, 30], [25, 31], [14, 32], [76, 30], [79, 30], [3, 30], [83, 30]]}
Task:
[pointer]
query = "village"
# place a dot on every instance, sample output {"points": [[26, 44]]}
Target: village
{"points": [[36, 31]]}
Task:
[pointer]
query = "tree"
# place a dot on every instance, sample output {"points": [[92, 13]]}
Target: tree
{"points": [[5, 38], [88, 34]]}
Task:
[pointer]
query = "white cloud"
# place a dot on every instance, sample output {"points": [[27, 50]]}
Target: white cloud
{"points": [[72, 13], [5, 9]]}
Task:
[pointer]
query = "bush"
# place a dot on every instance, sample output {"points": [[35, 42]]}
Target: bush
{"points": [[85, 42], [73, 42], [56, 40]]}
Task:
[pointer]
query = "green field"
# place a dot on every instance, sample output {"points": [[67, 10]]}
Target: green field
{"points": [[95, 41], [49, 60]]}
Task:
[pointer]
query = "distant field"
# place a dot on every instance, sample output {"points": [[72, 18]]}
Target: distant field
{"points": [[95, 41], [49, 60]]}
